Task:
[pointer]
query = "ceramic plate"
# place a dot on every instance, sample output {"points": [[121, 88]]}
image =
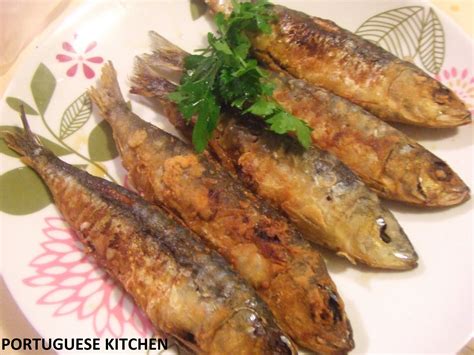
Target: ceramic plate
{"points": [[64, 294]]}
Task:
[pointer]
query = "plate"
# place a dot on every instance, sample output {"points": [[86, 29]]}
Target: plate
{"points": [[64, 294]]}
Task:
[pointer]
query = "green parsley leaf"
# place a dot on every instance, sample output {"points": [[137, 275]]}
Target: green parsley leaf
{"points": [[223, 74], [283, 122], [262, 107]]}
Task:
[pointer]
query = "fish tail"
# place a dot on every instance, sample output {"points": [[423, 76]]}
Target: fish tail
{"points": [[147, 82], [166, 57], [160, 43], [106, 95], [24, 142]]}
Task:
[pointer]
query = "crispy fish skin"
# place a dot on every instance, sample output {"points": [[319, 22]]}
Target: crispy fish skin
{"points": [[287, 272], [185, 289], [324, 54], [325, 200], [393, 165]]}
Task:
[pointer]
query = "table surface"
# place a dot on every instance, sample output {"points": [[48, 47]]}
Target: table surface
{"points": [[22, 21]]}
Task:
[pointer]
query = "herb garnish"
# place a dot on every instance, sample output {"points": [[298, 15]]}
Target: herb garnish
{"points": [[223, 73]]}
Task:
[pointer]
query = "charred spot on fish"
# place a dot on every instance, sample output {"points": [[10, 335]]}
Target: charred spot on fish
{"points": [[328, 198], [324, 315], [264, 235], [383, 227], [114, 241], [188, 337], [213, 194]]}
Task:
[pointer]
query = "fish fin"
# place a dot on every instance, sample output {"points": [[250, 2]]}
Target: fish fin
{"points": [[148, 83], [24, 142], [158, 42], [166, 57], [106, 95]]}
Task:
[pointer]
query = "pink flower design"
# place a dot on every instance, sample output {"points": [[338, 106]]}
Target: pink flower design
{"points": [[74, 284], [461, 82], [74, 55]]}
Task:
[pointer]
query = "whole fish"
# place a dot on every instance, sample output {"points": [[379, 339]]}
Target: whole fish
{"points": [[287, 272], [387, 160], [324, 54], [326, 201], [186, 290]]}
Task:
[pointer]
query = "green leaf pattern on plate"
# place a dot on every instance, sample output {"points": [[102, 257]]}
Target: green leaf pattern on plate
{"points": [[408, 32], [432, 49], [22, 192], [101, 143], [15, 104], [42, 87], [75, 116]]}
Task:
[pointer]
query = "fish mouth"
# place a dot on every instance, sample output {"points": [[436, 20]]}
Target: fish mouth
{"points": [[403, 258], [398, 261], [344, 344], [408, 260], [454, 118], [453, 196]]}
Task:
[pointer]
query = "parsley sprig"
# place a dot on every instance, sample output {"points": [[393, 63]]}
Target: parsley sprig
{"points": [[224, 74]]}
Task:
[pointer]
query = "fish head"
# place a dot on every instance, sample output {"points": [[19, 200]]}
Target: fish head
{"points": [[426, 98], [451, 110], [380, 241], [438, 185], [423, 178]]}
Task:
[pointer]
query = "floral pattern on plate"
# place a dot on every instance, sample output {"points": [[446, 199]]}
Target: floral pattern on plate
{"points": [[74, 285]]}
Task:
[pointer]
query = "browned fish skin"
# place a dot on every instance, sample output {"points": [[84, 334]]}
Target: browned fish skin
{"points": [[287, 272], [324, 54], [185, 289], [388, 161]]}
